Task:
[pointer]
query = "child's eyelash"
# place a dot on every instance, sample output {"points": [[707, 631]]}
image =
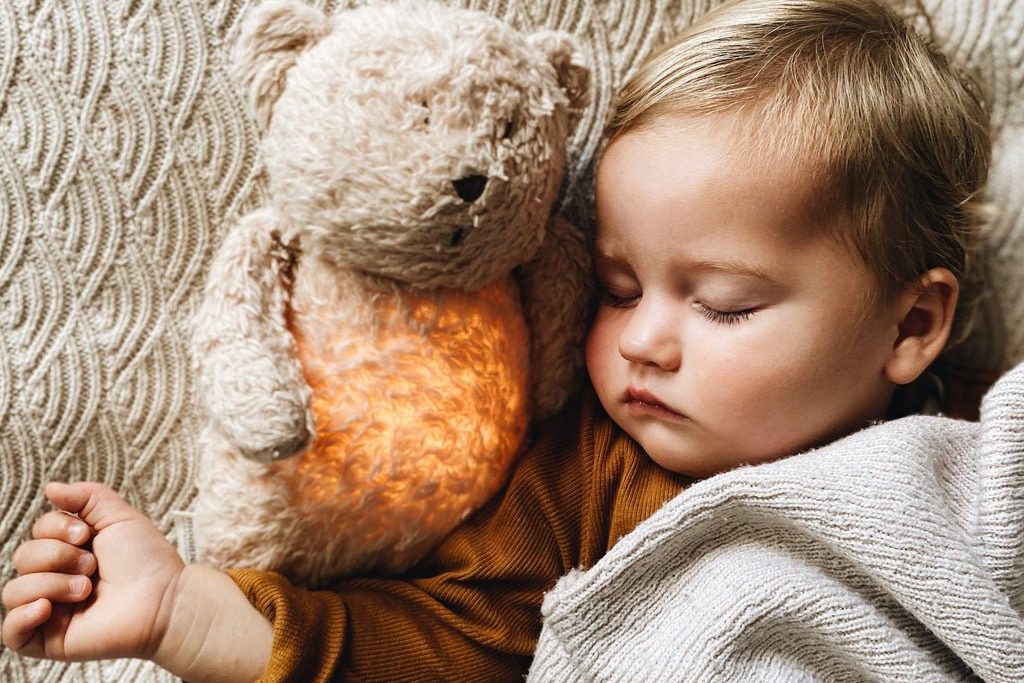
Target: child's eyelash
{"points": [[616, 301], [712, 314], [724, 317]]}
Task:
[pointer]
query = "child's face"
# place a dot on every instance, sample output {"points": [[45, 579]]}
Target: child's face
{"points": [[731, 330]]}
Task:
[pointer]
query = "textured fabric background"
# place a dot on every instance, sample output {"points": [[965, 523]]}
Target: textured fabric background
{"points": [[125, 151]]}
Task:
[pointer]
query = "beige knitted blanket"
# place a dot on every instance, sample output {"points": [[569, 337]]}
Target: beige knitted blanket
{"points": [[895, 554], [124, 153]]}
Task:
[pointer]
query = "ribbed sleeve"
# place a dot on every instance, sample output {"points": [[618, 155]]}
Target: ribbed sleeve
{"points": [[471, 610], [309, 626]]}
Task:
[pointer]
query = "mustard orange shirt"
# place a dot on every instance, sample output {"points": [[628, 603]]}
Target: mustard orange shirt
{"points": [[471, 610]]}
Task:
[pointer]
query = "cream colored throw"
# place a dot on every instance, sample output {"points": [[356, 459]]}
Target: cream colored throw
{"points": [[124, 154], [895, 554]]}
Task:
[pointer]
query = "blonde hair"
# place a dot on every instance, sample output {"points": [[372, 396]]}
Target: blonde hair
{"points": [[897, 135]]}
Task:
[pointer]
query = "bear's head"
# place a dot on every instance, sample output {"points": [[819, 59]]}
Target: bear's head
{"points": [[411, 141]]}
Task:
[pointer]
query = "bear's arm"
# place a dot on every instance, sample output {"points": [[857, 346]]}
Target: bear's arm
{"points": [[248, 373], [471, 611], [557, 287]]}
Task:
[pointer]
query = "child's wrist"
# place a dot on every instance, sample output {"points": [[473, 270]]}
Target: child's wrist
{"points": [[177, 618], [212, 631]]}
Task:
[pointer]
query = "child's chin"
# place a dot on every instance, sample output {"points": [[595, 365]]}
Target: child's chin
{"points": [[677, 457]]}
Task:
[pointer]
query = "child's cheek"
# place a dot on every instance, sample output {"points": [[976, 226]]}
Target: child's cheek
{"points": [[741, 376], [602, 350]]}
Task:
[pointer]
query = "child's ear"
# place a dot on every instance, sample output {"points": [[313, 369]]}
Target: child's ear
{"points": [[926, 310], [271, 38]]}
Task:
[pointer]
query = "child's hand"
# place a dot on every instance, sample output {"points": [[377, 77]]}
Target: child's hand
{"points": [[71, 604]]}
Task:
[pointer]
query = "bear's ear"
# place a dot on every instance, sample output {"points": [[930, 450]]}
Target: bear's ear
{"points": [[270, 40], [570, 66]]}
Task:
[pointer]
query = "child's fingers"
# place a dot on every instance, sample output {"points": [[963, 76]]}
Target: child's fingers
{"points": [[21, 623], [97, 505], [48, 555], [50, 585], [62, 527]]}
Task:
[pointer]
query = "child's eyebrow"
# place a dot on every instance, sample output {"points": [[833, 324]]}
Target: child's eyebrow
{"points": [[605, 261], [726, 266], [731, 268]]}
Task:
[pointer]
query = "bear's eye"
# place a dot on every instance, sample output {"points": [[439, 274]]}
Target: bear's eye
{"points": [[510, 128]]}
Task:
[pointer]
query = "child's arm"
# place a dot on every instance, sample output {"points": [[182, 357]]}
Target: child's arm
{"points": [[140, 599], [214, 632], [470, 611]]}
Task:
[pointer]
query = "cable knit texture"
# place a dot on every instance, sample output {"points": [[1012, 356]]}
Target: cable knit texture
{"points": [[125, 151], [891, 555]]}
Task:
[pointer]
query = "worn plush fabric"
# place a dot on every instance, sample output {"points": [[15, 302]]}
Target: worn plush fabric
{"points": [[125, 152], [471, 610], [895, 554], [421, 313]]}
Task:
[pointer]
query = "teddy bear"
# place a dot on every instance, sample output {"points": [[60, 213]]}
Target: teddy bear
{"points": [[374, 342]]}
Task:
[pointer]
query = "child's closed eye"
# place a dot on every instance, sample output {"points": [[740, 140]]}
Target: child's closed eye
{"points": [[617, 300], [723, 317]]}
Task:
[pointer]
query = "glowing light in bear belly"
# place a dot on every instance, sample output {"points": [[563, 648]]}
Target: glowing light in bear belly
{"points": [[419, 420]]}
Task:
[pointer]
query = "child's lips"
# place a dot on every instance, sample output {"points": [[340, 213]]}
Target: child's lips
{"points": [[643, 403]]}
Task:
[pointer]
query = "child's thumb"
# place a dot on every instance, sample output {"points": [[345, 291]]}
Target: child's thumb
{"points": [[97, 505]]}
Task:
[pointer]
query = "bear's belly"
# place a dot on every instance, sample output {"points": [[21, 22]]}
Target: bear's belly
{"points": [[420, 403]]}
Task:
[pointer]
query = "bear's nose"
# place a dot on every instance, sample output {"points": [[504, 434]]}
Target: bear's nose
{"points": [[470, 188]]}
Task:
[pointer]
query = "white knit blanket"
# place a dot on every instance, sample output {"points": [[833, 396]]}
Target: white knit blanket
{"points": [[895, 554]]}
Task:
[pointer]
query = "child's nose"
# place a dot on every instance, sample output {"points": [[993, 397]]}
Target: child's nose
{"points": [[651, 338]]}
